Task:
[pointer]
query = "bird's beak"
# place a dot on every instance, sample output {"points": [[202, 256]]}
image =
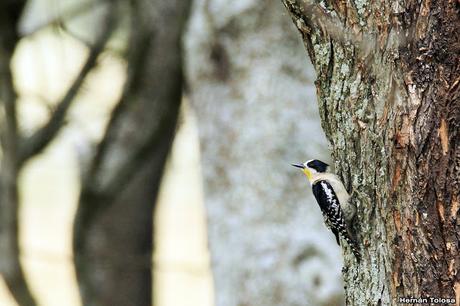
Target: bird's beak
{"points": [[298, 166]]}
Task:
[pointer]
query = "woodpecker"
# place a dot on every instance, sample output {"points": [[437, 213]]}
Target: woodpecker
{"points": [[333, 199]]}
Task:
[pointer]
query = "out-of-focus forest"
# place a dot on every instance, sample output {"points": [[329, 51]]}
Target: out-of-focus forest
{"points": [[145, 156]]}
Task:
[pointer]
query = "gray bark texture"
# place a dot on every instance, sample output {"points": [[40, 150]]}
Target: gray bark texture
{"points": [[388, 75], [113, 226], [252, 90]]}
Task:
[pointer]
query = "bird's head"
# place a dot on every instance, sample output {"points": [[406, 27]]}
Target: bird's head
{"points": [[312, 167]]}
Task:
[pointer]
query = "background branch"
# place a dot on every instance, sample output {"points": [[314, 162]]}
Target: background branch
{"points": [[120, 188], [66, 15], [10, 266], [42, 137]]}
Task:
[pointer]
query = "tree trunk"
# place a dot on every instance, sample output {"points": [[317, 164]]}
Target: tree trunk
{"points": [[249, 80], [388, 77], [10, 265], [113, 226]]}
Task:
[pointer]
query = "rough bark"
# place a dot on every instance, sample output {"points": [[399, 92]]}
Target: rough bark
{"points": [[249, 84], [388, 75], [113, 226]]}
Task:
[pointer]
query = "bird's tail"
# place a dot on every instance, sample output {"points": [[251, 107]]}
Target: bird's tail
{"points": [[355, 249], [352, 243]]}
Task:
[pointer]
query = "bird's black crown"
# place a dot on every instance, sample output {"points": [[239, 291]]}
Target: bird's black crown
{"points": [[318, 165]]}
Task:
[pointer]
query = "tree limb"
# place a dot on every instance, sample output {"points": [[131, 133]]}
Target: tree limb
{"points": [[10, 14], [42, 137], [10, 266], [137, 141], [8, 97], [308, 16], [136, 59], [73, 12], [139, 156]]}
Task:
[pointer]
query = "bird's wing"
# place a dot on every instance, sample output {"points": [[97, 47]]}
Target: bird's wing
{"points": [[330, 207], [327, 200]]}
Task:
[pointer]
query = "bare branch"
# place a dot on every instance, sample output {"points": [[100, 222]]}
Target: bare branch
{"points": [[9, 97], [163, 134], [137, 58], [10, 267], [156, 137], [89, 44], [10, 14], [138, 157], [74, 12], [41, 138], [308, 15]]}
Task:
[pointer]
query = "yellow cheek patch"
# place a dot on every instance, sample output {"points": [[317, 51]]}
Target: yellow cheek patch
{"points": [[307, 173]]}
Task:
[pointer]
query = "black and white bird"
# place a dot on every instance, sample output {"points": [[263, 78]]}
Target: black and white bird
{"points": [[333, 199]]}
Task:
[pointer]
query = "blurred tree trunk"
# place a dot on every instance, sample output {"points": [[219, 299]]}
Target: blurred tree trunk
{"points": [[17, 148], [113, 226], [388, 77], [10, 266], [252, 90]]}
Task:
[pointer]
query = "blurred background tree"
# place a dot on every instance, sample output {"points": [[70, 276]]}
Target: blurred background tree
{"points": [[254, 98], [12, 160], [113, 223]]}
